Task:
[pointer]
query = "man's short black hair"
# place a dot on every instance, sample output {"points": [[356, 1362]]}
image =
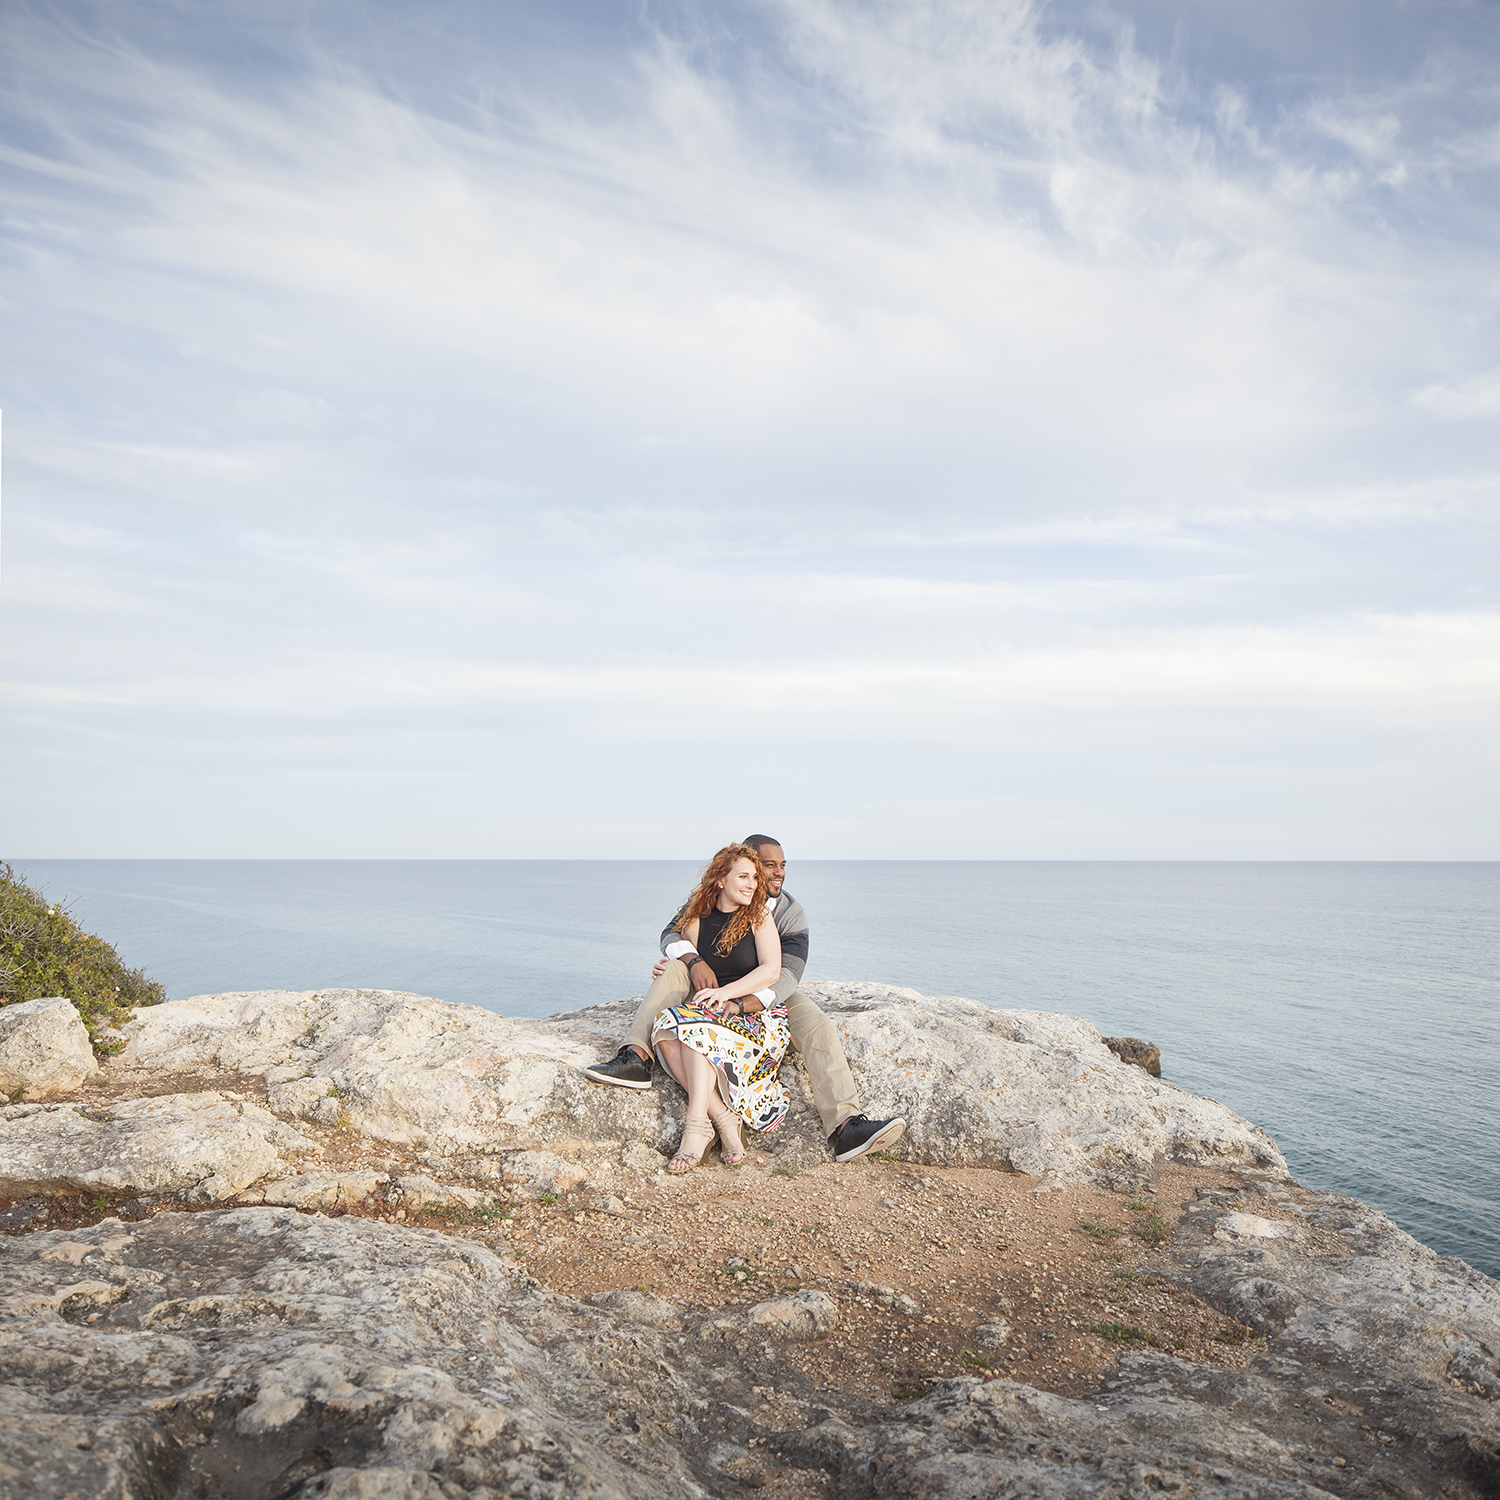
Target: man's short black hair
{"points": [[758, 841]]}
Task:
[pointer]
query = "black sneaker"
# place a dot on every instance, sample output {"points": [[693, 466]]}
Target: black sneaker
{"points": [[625, 1070], [858, 1134]]}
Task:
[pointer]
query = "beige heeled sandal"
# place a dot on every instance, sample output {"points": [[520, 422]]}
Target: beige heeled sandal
{"points": [[693, 1129], [731, 1144]]}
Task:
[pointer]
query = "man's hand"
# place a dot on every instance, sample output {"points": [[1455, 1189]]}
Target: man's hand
{"points": [[701, 976]]}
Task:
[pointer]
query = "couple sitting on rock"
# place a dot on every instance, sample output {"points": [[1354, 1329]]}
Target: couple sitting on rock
{"points": [[724, 1006]]}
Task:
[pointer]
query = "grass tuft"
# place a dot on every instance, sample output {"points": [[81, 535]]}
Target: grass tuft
{"points": [[43, 951], [1122, 1333], [483, 1214], [1101, 1232], [1150, 1227]]}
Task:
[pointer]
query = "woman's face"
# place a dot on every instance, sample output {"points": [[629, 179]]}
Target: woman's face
{"points": [[739, 883]]}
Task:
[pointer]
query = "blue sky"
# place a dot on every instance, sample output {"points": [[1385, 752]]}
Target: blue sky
{"points": [[922, 430]]}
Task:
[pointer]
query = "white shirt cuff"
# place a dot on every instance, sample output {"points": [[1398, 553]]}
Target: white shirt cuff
{"points": [[766, 997], [676, 950]]}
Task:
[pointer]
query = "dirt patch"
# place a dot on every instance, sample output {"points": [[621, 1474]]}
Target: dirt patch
{"points": [[989, 1276]]}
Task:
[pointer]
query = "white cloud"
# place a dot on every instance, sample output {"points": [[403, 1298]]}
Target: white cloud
{"points": [[1466, 400], [932, 367]]}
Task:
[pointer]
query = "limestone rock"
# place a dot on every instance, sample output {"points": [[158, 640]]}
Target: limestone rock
{"points": [[799, 1315], [1252, 1227], [1132, 1049], [44, 1048], [992, 1335], [531, 1173], [349, 1357], [1028, 1089], [326, 1357], [317, 1190], [205, 1146], [378, 1484], [640, 1307], [305, 1099], [425, 1192]]}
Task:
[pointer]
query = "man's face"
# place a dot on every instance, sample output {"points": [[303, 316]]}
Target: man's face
{"points": [[773, 862]]}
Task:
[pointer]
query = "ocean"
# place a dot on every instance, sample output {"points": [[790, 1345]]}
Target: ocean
{"points": [[1353, 1010]]}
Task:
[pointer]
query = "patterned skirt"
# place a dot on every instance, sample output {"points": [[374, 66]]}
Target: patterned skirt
{"points": [[747, 1051]]}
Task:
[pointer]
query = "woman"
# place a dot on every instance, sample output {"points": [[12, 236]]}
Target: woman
{"points": [[727, 1042]]}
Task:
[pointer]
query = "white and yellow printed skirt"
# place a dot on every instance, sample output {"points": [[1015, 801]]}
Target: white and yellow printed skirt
{"points": [[747, 1051]]}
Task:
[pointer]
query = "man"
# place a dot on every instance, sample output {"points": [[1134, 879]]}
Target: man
{"points": [[681, 973]]}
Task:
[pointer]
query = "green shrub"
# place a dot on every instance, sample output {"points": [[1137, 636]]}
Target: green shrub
{"points": [[43, 951]]}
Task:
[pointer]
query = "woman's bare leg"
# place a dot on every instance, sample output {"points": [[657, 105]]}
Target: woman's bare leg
{"points": [[692, 1070], [696, 1074]]}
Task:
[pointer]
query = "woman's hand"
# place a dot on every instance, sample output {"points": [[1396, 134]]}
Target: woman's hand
{"points": [[715, 1003]]}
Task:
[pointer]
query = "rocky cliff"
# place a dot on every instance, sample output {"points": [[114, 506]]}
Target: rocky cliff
{"points": [[247, 1350]]}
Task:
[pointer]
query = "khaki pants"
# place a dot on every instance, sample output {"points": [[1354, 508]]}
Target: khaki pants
{"points": [[813, 1035]]}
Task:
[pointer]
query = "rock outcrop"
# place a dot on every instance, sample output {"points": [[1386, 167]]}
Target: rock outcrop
{"points": [[1030, 1090], [203, 1146], [262, 1352], [44, 1049], [269, 1351], [1132, 1049]]}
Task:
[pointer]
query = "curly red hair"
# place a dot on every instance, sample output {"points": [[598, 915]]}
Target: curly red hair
{"points": [[703, 900]]}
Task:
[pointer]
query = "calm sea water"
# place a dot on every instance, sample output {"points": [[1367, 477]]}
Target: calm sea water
{"points": [[1351, 1009]]}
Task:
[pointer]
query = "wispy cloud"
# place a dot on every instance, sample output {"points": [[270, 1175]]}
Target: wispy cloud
{"points": [[948, 364]]}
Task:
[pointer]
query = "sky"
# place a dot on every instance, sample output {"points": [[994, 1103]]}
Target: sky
{"points": [[917, 430]]}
